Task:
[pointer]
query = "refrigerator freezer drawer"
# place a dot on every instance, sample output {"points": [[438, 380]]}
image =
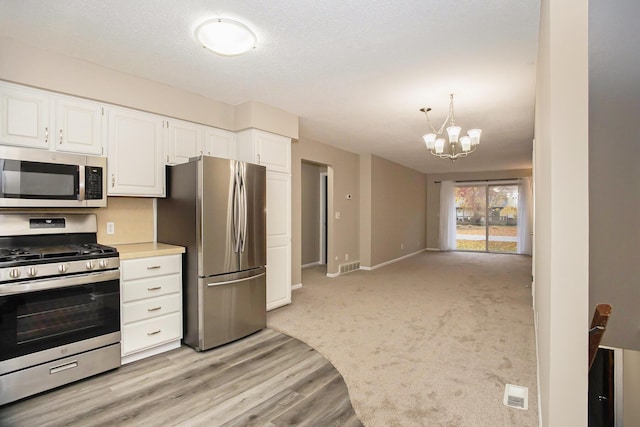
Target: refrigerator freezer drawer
{"points": [[231, 310]]}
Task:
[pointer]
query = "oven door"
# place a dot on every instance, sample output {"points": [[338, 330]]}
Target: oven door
{"points": [[47, 319]]}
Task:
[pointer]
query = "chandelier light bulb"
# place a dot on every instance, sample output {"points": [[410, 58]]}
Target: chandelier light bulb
{"points": [[439, 145], [429, 140], [474, 134], [454, 133], [465, 143]]}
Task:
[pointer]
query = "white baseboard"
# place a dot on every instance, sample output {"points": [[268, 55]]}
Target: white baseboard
{"points": [[433, 249], [296, 286], [311, 264], [392, 261], [333, 275]]}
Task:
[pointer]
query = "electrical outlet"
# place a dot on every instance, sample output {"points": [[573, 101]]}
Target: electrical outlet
{"points": [[346, 257], [111, 228], [401, 246]]}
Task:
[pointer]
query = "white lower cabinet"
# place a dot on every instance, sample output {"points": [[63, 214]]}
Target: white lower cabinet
{"points": [[151, 294]]}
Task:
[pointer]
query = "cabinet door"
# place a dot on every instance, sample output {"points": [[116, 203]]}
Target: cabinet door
{"points": [[79, 126], [220, 143], [135, 165], [264, 148], [278, 239], [185, 141], [24, 117], [274, 151], [278, 276]]}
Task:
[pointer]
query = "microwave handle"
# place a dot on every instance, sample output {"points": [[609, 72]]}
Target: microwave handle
{"points": [[81, 178]]}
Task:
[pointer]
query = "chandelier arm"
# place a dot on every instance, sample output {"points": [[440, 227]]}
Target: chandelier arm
{"points": [[453, 156], [439, 131]]}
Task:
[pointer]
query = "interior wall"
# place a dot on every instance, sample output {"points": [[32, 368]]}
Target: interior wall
{"points": [[398, 211], [561, 231], [365, 210], [614, 148], [310, 178], [343, 171], [433, 195]]}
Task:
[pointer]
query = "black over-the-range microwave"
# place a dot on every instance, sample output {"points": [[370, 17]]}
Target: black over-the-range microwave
{"points": [[40, 178]]}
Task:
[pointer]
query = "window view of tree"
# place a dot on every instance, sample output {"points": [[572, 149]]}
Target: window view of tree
{"points": [[487, 218], [471, 210]]}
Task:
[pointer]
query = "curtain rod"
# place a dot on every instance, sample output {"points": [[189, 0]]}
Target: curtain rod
{"points": [[482, 180]]}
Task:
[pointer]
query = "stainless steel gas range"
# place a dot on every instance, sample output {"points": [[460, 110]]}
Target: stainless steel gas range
{"points": [[59, 302]]}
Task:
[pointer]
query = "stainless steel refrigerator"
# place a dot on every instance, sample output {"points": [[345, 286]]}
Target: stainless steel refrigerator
{"points": [[216, 208]]}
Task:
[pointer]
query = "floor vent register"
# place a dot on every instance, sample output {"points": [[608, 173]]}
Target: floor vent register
{"points": [[516, 396]]}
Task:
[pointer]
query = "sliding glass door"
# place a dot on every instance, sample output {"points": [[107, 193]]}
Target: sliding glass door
{"points": [[487, 217]]}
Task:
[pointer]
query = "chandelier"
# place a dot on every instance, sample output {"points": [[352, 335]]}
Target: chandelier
{"points": [[459, 146]]}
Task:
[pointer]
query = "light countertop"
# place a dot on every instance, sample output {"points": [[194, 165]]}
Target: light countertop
{"points": [[143, 250]]}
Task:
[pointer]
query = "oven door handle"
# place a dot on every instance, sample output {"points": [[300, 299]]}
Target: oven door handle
{"points": [[58, 282]]}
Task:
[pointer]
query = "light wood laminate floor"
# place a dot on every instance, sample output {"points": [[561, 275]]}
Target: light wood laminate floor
{"points": [[267, 379]]}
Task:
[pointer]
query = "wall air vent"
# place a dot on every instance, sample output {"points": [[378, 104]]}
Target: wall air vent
{"points": [[352, 266]]}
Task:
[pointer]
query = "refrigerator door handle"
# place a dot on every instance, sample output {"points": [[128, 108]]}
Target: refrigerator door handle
{"points": [[228, 282], [236, 209], [244, 206]]}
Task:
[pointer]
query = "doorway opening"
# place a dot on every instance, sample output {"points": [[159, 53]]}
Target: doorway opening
{"points": [[315, 208]]}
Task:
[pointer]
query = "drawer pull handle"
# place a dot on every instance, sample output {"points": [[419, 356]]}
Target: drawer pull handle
{"points": [[64, 367], [154, 332], [154, 309], [155, 288], [153, 267]]}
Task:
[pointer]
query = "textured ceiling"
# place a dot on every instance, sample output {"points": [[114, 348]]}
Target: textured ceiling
{"points": [[355, 72]]}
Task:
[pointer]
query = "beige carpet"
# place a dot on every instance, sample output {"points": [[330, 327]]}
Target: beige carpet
{"points": [[427, 341]]}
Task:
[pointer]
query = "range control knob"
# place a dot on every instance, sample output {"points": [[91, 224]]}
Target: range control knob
{"points": [[104, 263], [32, 271], [14, 273], [62, 268], [91, 265]]}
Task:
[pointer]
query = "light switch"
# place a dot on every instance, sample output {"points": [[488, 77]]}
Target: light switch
{"points": [[337, 215]]}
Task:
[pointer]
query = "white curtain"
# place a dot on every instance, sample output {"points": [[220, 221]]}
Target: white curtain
{"points": [[447, 216], [525, 215]]}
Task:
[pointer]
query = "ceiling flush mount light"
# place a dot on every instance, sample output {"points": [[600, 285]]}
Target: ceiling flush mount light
{"points": [[459, 146], [225, 36]]}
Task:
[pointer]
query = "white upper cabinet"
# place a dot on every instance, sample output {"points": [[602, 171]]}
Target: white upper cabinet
{"points": [[135, 154], [39, 119], [79, 126], [25, 119], [185, 140], [264, 148], [220, 143]]}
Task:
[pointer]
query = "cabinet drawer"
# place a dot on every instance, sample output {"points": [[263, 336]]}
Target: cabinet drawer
{"points": [[149, 308], [150, 267], [152, 287], [152, 332]]}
